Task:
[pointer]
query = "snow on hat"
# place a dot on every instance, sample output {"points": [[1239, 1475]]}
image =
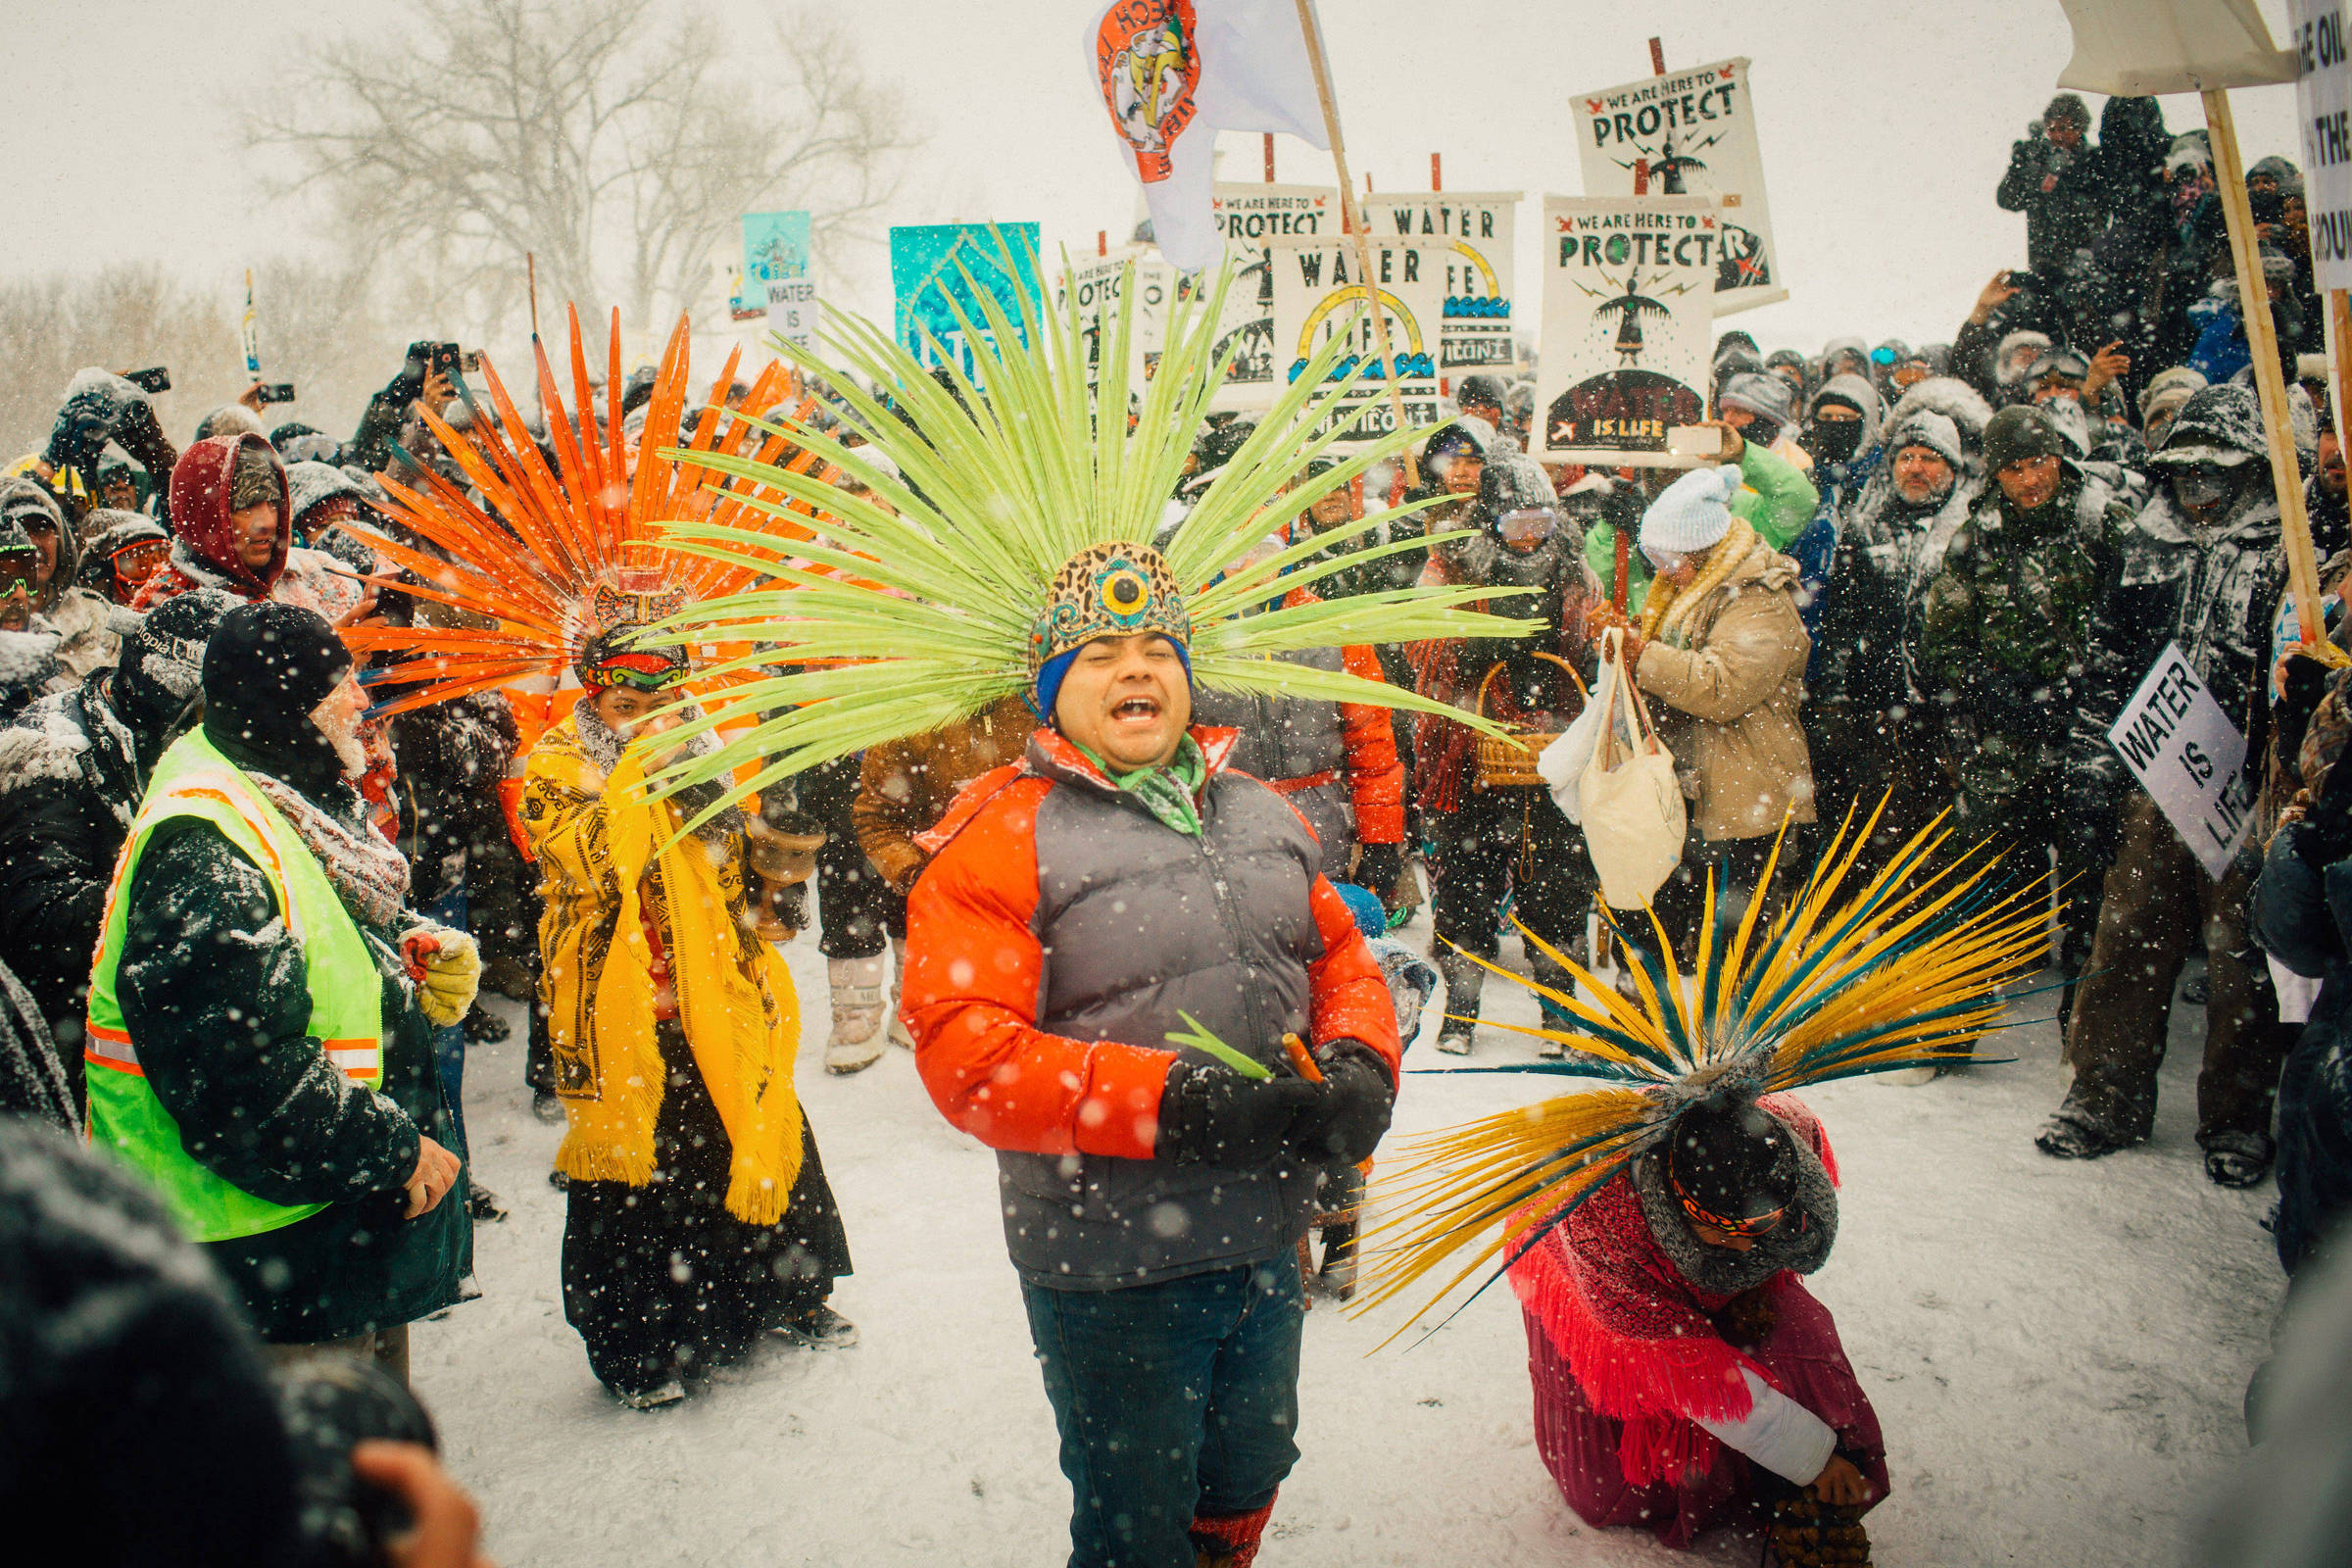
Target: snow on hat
{"points": [[2218, 424], [310, 483], [2169, 389], [1925, 428], [2007, 349], [2068, 107], [1693, 514], [1488, 390], [2289, 179], [1766, 396], [2189, 148], [2021, 431], [25, 506]]}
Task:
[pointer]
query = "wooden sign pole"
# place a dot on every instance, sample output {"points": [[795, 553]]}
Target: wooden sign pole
{"points": [[2339, 343], [2270, 383], [1351, 215], [1269, 157]]}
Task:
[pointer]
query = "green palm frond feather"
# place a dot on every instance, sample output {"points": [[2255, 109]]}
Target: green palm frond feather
{"points": [[915, 607], [1905, 969]]}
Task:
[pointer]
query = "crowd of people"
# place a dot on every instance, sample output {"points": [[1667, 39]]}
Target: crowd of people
{"points": [[247, 919]]}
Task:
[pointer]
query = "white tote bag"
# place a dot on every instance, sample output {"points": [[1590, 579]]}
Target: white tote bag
{"points": [[1630, 802]]}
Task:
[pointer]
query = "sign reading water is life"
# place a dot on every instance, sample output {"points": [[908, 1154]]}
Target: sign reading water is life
{"points": [[2190, 759]]}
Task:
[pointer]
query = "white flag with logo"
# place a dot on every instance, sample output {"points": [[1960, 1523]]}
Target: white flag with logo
{"points": [[1173, 73]]}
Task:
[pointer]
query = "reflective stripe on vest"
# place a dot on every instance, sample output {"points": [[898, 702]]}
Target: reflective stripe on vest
{"points": [[192, 779], [359, 1059]]}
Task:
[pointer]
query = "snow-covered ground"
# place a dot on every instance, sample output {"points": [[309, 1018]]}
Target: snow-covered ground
{"points": [[2058, 1352]]}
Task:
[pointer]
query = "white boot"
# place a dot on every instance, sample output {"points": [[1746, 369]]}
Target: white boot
{"points": [[857, 1041], [899, 1034]]}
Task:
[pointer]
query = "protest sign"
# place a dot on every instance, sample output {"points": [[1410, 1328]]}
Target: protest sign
{"points": [[2323, 45], [776, 273], [1476, 229], [1092, 285], [1249, 216], [1319, 294], [1693, 133], [1627, 319], [2188, 757], [929, 268]]}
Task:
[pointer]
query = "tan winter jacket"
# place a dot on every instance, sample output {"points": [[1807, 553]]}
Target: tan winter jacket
{"points": [[1731, 703], [906, 786]]}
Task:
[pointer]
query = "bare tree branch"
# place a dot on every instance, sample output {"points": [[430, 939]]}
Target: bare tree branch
{"points": [[617, 139]]}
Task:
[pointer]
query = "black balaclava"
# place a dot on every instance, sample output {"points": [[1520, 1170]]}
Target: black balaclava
{"points": [[266, 667], [1731, 1163], [1833, 440]]}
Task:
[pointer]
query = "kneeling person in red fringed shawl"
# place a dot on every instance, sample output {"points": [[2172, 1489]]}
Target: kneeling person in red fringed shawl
{"points": [[1683, 1376]]}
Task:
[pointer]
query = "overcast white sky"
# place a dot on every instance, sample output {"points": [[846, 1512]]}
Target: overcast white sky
{"points": [[1886, 126]]}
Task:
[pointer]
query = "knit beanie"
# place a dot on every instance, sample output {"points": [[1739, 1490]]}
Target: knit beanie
{"points": [[1928, 428], [1693, 514], [1762, 394], [254, 479], [266, 665], [2020, 431]]}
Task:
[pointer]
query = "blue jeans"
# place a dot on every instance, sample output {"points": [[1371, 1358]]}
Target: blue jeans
{"points": [[1172, 1399]]}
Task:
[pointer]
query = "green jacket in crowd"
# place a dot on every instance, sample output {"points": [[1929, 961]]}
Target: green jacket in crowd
{"points": [[1776, 500], [2005, 632]]}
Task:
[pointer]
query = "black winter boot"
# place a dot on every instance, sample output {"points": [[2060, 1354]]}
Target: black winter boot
{"points": [[1464, 981], [1555, 1017]]}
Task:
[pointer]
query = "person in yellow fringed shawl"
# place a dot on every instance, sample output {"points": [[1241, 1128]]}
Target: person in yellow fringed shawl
{"points": [[699, 1214]]}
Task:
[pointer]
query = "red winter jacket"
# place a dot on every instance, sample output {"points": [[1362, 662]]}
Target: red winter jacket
{"points": [[1054, 940]]}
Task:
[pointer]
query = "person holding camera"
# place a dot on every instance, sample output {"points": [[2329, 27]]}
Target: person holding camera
{"points": [[127, 1357], [262, 1008], [2053, 179]]}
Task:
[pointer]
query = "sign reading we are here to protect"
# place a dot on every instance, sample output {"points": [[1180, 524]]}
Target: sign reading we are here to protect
{"points": [[2190, 759]]}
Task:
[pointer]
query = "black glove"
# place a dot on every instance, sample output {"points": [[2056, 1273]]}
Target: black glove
{"points": [[2305, 683], [1212, 1115], [1379, 867], [96, 403], [1345, 1122]]}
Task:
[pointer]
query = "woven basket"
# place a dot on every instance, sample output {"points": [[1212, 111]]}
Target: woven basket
{"points": [[1509, 762]]}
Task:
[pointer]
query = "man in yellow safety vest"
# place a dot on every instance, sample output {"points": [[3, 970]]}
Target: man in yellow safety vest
{"points": [[261, 1007]]}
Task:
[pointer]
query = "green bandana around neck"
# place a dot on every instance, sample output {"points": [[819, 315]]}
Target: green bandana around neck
{"points": [[1169, 791]]}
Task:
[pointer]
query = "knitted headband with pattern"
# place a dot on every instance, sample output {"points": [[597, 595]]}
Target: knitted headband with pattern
{"points": [[987, 541]]}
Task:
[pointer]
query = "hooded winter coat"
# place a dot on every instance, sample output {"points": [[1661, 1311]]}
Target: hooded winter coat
{"points": [[215, 992], [2203, 585], [72, 769], [1735, 678], [204, 546], [1053, 941], [1837, 481], [1525, 689], [88, 632]]}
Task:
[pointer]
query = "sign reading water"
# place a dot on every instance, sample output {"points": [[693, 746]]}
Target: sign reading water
{"points": [[2190, 759]]}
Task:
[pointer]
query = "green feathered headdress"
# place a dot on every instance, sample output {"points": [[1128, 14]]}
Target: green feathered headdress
{"points": [[941, 537]]}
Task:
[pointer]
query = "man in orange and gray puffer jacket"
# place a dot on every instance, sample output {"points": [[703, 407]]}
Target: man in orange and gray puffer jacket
{"points": [[1081, 908]]}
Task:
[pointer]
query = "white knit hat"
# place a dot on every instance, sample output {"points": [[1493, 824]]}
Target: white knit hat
{"points": [[1693, 514]]}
